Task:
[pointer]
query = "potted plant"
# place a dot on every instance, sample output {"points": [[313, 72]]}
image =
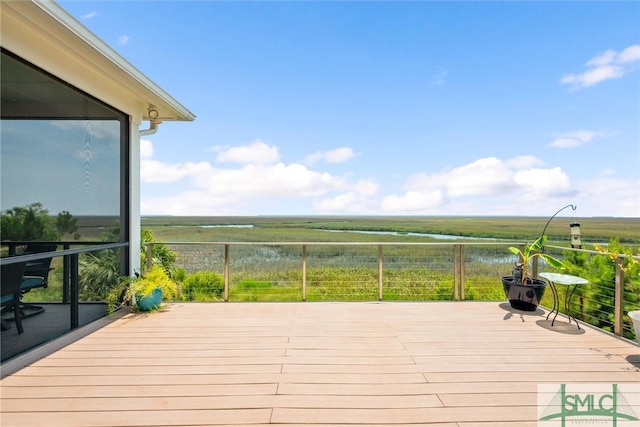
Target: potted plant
{"points": [[523, 291], [146, 293]]}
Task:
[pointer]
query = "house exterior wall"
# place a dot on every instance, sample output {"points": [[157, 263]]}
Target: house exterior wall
{"points": [[134, 199]]}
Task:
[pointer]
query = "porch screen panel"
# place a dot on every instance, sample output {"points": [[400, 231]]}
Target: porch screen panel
{"points": [[60, 153]]}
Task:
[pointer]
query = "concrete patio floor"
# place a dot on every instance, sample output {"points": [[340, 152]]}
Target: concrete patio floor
{"points": [[433, 363]]}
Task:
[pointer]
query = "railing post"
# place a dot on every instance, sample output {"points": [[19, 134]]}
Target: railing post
{"points": [[461, 266], [149, 256], [66, 275], [226, 272], [456, 273], [618, 308], [74, 292], [380, 269], [304, 272]]}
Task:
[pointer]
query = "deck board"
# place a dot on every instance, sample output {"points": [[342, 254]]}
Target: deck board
{"points": [[440, 364]]}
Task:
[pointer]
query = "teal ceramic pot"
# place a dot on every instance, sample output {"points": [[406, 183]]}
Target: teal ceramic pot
{"points": [[150, 302]]}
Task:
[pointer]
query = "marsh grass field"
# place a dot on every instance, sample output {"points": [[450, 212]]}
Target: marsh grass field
{"points": [[419, 267], [418, 253], [314, 228]]}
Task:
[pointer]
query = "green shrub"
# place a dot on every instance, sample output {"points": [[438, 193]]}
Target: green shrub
{"points": [[128, 288], [594, 303], [203, 286]]}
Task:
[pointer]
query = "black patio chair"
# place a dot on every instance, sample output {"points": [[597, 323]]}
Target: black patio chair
{"points": [[10, 280], [36, 275]]}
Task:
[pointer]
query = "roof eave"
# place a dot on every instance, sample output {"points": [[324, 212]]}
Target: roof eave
{"points": [[46, 20]]}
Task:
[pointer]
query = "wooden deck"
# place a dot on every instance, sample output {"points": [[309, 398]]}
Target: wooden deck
{"points": [[436, 364]]}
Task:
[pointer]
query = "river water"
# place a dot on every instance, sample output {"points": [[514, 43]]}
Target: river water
{"points": [[386, 233], [396, 233]]}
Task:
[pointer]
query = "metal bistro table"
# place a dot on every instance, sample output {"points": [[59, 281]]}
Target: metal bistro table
{"points": [[571, 282]]}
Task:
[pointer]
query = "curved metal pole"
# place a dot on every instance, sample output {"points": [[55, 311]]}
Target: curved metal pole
{"points": [[554, 215]]}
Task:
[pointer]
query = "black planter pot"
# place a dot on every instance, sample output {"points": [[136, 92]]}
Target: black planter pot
{"points": [[521, 297]]}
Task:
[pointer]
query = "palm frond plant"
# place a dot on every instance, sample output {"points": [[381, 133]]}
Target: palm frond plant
{"points": [[526, 256], [523, 291], [99, 272]]}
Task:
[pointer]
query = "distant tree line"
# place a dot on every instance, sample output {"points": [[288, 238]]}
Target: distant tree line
{"points": [[34, 223]]}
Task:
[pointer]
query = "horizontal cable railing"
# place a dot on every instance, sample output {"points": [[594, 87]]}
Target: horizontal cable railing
{"points": [[343, 271], [610, 294], [349, 271], [391, 271]]}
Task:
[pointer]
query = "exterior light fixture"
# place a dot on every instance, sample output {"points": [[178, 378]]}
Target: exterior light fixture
{"points": [[154, 121], [576, 237]]}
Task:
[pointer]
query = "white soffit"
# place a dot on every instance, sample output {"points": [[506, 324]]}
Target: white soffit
{"points": [[46, 35]]}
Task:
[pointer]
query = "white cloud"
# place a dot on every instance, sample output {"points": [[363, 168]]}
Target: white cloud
{"points": [[630, 55], [607, 172], [261, 181], [542, 181], [606, 195], [189, 202], [154, 171], [339, 155], [123, 40], [606, 66], [417, 202], [479, 187], [604, 59], [208, 188], [357, 200], [523, 162], [255, 153], [90, 15], [520, 185], [483, 176], [366, 187], [594, 76], [572, 139], [146, 149], [485, 186]]}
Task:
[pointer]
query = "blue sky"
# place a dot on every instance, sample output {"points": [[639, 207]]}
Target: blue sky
{"points": [[386, 108]]}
